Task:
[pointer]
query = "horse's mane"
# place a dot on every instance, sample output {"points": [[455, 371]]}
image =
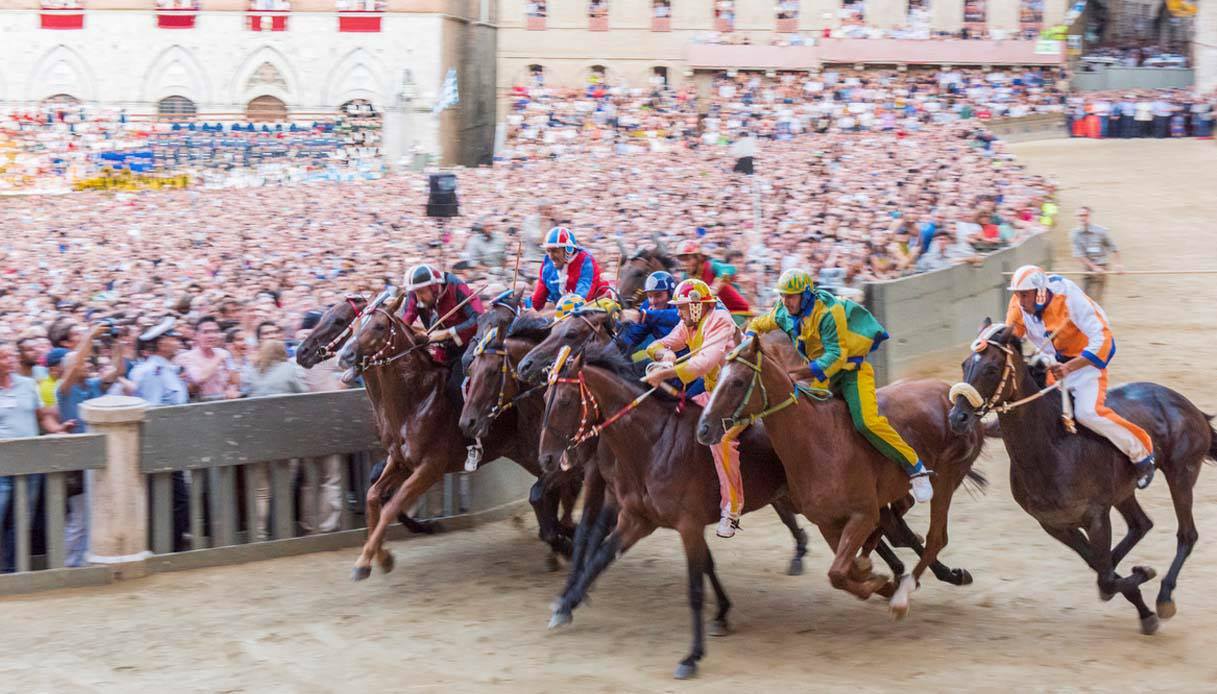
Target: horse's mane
{"points": [[609, 357], [530, 326]]}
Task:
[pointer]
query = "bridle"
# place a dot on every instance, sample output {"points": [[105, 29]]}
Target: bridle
{"points": [[507, 370], [994, 404], [330, 348], [590, 412], [382, 356], [738, 418]]}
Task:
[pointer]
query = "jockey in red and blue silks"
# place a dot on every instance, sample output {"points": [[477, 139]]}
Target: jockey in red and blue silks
{"points": [[567, 269]]}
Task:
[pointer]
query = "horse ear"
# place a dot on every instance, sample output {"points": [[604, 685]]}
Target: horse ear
{"points": [[985, 324], [395, 304]]}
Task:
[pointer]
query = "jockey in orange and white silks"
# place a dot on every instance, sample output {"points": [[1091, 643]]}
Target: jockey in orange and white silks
{"points": [[1056, 316], [708, 331]]}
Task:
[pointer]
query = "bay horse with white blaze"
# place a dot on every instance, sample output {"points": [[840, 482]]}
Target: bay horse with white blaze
{"points": [[1070, 482]]}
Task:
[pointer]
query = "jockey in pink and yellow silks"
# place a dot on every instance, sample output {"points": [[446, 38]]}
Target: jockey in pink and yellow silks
{"points": [[708, 331]]}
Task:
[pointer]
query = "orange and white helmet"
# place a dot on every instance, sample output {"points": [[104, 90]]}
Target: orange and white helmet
{"points": [[1028, 277]]}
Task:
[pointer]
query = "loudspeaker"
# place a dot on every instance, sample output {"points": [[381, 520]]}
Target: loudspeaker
{"points": [[441, 200]]}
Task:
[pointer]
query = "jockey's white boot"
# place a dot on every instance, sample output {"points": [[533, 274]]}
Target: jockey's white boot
{"points": [[923, 491], [727, 526]]}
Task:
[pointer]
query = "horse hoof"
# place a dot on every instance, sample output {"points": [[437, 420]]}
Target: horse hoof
{"points": [[685, 671], [1166, 610], [796, 568], [360, 573], [560, 619], [1149, 625], [551, 563], [962, 577], [1148, 573], [387, 562], [719, 627]]}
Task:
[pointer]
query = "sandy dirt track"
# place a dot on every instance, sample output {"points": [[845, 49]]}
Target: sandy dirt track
{"points": [[467, 611]]}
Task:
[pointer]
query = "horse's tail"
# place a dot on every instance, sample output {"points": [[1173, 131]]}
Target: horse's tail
{"points": [[976, 481]]}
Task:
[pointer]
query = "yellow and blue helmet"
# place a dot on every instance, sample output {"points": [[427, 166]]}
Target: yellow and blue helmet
{"points": [[794, 281], [567, 305]]}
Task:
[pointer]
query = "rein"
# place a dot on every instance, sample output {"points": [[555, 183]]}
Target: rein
{"points": [[983, 407], [381, 357], [506, 370], [589, 411], [738, 417], [330, 348]]}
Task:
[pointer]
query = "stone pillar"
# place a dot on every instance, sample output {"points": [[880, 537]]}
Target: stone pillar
{"points": [[118, 524]]}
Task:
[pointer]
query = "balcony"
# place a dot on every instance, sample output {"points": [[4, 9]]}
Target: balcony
{"points": [[788, 26], [360, 16], [62, 16], [534, 23], [724, 25], [598, 22], [176, 19], [661, 24], [267, 20]]}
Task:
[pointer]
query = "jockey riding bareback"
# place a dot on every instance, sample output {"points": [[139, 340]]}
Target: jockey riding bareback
{"points": [[1057, 317], [707, 329], [834, 336]]}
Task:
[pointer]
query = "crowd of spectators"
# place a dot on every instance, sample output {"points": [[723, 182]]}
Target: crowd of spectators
{"points": [[50, 149], [1157, 113], [1132, 56]]}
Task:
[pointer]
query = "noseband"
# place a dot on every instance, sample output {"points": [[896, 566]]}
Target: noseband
{"points": [[738, 418], [382, 357], [330, 348], [983, 407], [506, 370]]}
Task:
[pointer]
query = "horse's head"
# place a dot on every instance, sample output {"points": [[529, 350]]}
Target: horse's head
{"points": [[503, 310], [381, 338], [735, 394], [990, 375], [581, 329], [332, 329], [567, 408], [490, 384], [634, 272]]}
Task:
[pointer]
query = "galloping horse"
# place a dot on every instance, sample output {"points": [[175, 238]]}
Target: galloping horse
{"points": [[409, 389], [667, 482], [494, 391], [838, 480], [1069, 483]]}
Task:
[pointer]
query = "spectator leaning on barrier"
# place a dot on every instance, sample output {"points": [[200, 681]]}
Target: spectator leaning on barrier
{"points": [[1092, 245], [21, 415], [321, 485], [273, 375]]}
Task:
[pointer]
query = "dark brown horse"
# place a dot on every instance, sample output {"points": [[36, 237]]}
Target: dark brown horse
{"points": [[632, 277], [409, 389], [838, 480], [669, 482], [1070, 482], [495, 391]]}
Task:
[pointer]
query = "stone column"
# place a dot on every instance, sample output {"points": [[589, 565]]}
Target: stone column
{"points": [[118, 524]]}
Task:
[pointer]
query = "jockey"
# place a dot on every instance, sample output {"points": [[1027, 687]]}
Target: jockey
{"points": [[834, 335], [567, 269], [567, 305], [657, 319], [433, 296], [695, 264], [1056, 316], [708, 330]]}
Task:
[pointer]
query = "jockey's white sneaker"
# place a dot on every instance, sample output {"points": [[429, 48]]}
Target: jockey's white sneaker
{"points": [[727, 526], [923, 491]]}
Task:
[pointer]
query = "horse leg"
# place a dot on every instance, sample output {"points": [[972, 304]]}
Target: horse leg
{"points": [[1099, 534], [423, 477], [697, 555], [1181, 495], [719, 627], [630, 530], [846, 540], [1138, 525], [543, 508], [593, 506], [785, 511], [888, 555], [390, 477], [935, 541], [901, 535]]}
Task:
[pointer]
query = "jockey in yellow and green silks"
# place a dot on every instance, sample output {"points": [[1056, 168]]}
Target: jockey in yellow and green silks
{"points": [[834, 335]]}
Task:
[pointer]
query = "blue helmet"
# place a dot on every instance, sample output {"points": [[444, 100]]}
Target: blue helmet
{"points": [[660, 282], [561, 237]]}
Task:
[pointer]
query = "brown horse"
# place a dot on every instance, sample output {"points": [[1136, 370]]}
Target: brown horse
{"points": [[632, 277], [1069, 483], [669, 482], [838, 480], [409, 389]]}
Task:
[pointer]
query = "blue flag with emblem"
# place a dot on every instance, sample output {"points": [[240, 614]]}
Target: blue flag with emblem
{"points": [[449, 95]]}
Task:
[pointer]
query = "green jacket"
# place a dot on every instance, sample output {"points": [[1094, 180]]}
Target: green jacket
{"points": [[833, 334]]}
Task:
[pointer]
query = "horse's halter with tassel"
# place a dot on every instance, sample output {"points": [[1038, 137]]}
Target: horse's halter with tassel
{"points": [[381, 357], [589, 407], [331, 348], [506, 370]]}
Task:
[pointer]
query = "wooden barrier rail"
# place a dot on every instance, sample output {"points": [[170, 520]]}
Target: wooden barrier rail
{"points": [[135, 453]]}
